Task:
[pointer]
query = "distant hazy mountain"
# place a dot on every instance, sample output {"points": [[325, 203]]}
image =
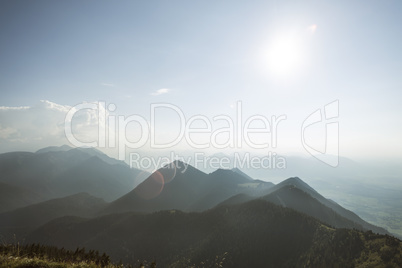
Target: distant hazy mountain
{"points": [[253, 234], [304, 167], [90, 151], [12, 197], [189, 189], [63, 148], [58, 171], [181, 186], [21, 221], [296, 194], [224, 183], [227, 215], [175, 186], [238, 171], [297, 183], [293, 197]]}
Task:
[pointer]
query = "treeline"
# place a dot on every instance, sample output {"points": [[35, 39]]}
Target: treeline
{"points": [[36, 255], [55, 254]]}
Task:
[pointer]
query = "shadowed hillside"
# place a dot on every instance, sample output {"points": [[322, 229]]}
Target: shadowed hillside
{"points": [[59, 171], [253, 234], [181, 186], [19, 222]]}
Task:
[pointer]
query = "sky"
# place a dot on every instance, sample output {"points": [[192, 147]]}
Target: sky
{"points": [[275, 59]]}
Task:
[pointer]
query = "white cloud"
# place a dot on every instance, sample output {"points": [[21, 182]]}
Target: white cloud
{"points": [[160, 91], [108, 85], [6, 132], [31, 128], [5, 108]]}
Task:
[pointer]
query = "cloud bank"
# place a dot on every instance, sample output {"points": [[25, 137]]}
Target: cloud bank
{"points": [[32, 128]]}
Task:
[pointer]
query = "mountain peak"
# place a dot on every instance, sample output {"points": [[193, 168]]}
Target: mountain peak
{"points": [[89, 150], [238, 171], [179, 163], [295, 181], [63, 148], [222, 170], [179, 166], [228, 175], [226, 172], [299, 183]]}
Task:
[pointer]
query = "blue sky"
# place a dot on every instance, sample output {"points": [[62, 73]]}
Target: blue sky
{"points": [[204, 56]]}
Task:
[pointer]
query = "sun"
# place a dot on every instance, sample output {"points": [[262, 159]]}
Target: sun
{"points": [[285, 55]]}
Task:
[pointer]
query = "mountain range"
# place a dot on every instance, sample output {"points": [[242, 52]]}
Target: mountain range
{"points": [[183, 187], [193, 190], [27, 178], [252, 234], [180, 216]]}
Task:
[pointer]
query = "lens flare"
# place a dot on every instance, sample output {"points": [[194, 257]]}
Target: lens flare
{"points": [[168, 172], [151, 187]]}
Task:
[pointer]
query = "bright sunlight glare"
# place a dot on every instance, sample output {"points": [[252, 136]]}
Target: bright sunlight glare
{"points": [[285, 55]]}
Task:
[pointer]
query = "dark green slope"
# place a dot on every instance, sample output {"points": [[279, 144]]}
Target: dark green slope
{"points": [[254, 234], [292, 197], [13, 197], [21, 221]]}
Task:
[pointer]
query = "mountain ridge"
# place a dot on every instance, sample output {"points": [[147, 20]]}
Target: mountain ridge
{"points": [[179, 185], [252, 234], [47, 173], [21, 221]]}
